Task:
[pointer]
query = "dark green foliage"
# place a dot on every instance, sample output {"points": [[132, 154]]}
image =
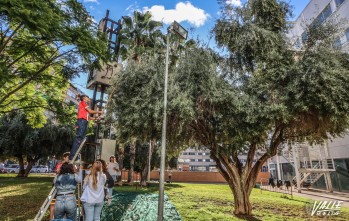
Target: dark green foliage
{"points": [[43, 44], [141, 159], [18, 138], [260, 96]]}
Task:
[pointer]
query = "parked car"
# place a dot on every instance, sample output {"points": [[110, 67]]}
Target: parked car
{"points": [[43, 169], [39, 169], [2, 168], [12, 168]]}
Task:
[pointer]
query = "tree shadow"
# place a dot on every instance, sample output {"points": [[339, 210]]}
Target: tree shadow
{"points": [[247, 217], [151, 188], [27, 202]]}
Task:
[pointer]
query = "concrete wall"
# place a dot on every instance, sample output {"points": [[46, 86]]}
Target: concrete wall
{"points": [[339, 147], [189, 176]]}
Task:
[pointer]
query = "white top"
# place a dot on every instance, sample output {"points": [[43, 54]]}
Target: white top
{"points": [[91, 195], [112, 167]]}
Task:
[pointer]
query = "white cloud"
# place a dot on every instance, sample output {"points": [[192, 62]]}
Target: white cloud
{"points": [[92, 8], [235, 3], [182, 12], [92, 1], [131, 8]]}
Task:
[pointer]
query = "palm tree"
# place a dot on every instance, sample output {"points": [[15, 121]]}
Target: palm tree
{"points": [[139, 36]]}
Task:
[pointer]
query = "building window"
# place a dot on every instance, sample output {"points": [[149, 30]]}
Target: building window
{"points": [[304, 36], [192, 160], [339, 2], [322, 16], [200, 153], [337, 43], [298, 44], [199, 160], [207, 160], [347, 34], [198, 168], [191, 153], [264, 169], [71, 94], [185, 153]]}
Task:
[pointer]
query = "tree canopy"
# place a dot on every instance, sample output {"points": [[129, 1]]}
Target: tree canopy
{"points": [[18, 138], [42, 45], [249, 101]]}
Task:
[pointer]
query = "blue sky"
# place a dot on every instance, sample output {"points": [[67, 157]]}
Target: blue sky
{"points": [[198, 16]]}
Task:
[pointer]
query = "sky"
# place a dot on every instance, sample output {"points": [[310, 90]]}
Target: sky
{"points": [[197, 16]]}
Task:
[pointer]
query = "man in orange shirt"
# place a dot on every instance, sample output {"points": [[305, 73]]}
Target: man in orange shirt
{"points": [[82, 123]]}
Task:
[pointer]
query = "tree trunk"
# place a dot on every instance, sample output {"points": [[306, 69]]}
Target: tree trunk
{"points": [[31, 162], [121, 161], [241, 180], [145, 170], [21, 171], [132, 162], [242, 204]]}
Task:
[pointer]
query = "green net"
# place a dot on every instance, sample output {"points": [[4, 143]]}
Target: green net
{"points": [[130, 206]]}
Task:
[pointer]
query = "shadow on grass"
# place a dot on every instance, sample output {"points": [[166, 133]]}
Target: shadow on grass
{"points": [[151, 188], [247, 217], [23, 202]]}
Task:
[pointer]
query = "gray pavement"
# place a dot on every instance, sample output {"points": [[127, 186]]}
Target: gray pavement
{"points": [[315, 194]]}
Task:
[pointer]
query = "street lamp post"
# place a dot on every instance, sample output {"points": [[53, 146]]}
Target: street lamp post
{"points": [[178, 30]]}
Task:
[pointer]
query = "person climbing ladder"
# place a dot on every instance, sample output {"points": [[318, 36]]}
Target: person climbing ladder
{"points": [[82, 123]]}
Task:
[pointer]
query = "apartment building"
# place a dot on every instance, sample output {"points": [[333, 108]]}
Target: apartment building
{"points": [[317, 12], [324, 166], [196, 160], [70, 98], [199, 160]]}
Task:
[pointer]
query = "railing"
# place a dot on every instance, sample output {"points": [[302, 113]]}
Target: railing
{"points": [[284, 189]]}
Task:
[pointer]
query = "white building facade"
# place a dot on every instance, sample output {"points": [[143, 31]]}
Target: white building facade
{"points": [[326, 166], [318, 11]]}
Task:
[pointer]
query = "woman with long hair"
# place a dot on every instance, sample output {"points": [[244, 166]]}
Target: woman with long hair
{"points": [[93, 195], [65, 183]]}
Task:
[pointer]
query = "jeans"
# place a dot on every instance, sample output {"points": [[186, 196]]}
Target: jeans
{"points": [[65, 205], [93, 211], [81, 129], [110, 190]]}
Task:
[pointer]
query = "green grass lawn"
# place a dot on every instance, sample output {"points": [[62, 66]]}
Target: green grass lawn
{"points": [[215, 202], [21, 198]]}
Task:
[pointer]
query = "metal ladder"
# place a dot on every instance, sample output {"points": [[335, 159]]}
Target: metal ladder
{"points": [[53, 191]]}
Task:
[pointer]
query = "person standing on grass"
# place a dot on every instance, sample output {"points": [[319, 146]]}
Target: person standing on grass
{"points": [[93, 194], [110, 181], [113, 168], [169, 176], [82, 122], [65, 183]]}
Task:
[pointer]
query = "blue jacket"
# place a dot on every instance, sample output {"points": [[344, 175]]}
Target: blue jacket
{"points": [[66, 183]]}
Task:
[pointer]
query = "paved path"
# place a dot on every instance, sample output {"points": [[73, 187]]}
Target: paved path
{"points": [[323, 195], [318, 195]]}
